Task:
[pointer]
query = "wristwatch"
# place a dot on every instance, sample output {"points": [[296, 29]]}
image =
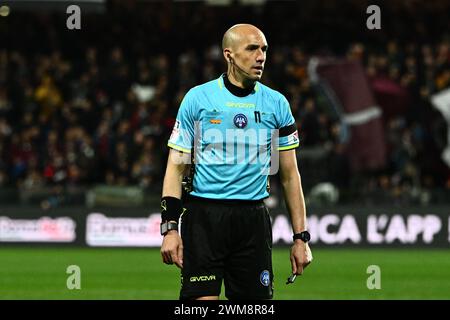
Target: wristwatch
{"points": [[304, 236], [166, 226]]}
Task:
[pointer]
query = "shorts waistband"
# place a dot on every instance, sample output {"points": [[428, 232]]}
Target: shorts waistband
{"points": [[237, 202]]}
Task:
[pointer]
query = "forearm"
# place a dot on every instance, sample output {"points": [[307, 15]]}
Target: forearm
{"points": [[295, 202], [172, 185]]}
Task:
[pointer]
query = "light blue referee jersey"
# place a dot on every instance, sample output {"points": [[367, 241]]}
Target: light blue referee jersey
{"points": [[233, 138]]}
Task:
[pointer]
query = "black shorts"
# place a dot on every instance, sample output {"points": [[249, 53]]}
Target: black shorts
{"points": [[229, 241]]}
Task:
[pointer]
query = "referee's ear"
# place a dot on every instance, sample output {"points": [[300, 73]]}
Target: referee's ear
{"points": [[227, 54]]}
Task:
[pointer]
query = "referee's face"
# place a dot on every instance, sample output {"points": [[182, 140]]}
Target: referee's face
{"points": [[250, 54]]}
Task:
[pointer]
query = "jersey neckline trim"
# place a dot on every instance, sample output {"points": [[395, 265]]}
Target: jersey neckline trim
{"points": [[235, 90]]}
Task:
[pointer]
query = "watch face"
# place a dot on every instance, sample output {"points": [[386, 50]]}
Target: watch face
{"points": [[306, 236]]}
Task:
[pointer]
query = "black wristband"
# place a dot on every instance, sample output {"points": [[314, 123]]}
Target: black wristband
{"points": [[304, 236], [171, 209]]}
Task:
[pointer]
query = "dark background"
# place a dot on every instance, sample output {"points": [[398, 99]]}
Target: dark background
{"points": [[73, 115]]}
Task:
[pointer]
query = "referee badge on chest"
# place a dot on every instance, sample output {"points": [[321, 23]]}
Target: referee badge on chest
{"points": [[240, 120]]}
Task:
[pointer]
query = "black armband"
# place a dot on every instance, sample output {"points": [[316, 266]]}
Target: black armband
{"points": [[171, 209], [285, 131]]}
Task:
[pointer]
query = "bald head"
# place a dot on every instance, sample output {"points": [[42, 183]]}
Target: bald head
{"points": [[237, 33], [244, 48]]}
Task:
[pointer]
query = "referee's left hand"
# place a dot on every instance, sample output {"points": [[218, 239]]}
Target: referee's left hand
{"points": [[172, 249], [301, 256]]}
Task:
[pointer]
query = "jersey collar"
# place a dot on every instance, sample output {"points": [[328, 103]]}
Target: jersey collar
{"points": [[235, 90]]}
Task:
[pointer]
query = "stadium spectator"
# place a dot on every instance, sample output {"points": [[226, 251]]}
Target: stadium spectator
{"points": [[81, 112]]}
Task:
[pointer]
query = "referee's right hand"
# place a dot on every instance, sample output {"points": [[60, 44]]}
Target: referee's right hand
{"points": [[172, 249]]}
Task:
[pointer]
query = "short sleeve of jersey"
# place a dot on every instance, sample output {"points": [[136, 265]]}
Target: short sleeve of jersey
{"points": [[287, 134], [182, 137]]}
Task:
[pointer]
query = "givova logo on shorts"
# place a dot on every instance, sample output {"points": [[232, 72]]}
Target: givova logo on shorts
{"points": [[202, 278], [265, 278]]}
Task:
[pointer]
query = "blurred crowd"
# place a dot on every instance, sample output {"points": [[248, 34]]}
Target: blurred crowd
{"points": [[84, 109]]}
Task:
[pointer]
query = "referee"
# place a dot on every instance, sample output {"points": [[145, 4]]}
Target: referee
{"points": [[224, 129]]}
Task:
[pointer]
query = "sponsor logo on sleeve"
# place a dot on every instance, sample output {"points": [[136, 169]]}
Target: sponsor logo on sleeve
{"points": [[175, 131]]}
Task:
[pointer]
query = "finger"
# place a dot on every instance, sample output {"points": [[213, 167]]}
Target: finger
{"points": [[180, 256], [163, 256], [309, 259], [306, 263], [299, 266], [174, 257], [177, 261], [167, 259], [293, 265]]}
